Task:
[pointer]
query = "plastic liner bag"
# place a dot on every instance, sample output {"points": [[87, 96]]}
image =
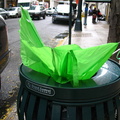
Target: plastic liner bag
{"points": [[68, 63]]}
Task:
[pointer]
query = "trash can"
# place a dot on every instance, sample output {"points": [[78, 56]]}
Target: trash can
{"points": [[41, 98]]}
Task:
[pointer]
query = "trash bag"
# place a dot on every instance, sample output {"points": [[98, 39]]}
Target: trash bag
{"points": [[68, 63]]}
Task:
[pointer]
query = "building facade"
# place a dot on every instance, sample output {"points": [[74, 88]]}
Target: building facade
{"points": [[7, 3]]}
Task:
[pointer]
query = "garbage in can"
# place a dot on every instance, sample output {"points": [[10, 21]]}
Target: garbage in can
{"points": [[63, 61], [41, 98]]}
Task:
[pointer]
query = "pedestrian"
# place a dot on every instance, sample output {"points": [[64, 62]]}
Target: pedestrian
{"points": [[99, 15], [90, 12], [94, 15]]}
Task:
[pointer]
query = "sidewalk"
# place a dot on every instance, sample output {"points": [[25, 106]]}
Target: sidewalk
{"points": [[91, 35]]}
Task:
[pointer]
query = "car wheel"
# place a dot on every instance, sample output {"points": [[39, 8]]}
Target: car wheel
{"points": [[32, 18], [38, 17], [44, 17], [53, 20], [17, 15], [6, 16]]}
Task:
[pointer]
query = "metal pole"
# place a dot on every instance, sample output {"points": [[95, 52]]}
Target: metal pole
{"points": [[78, 22], [3, 4], [70, 22]]}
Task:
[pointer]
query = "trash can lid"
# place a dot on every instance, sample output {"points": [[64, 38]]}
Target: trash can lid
{"points": [[108, 73], [104, 85]]}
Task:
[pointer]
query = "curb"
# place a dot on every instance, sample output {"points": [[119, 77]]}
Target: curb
{"points": [[11, 113], [62, 41]]}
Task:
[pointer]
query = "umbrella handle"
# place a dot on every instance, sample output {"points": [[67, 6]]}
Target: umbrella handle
{"points": [[118, 54], [116, 51]]}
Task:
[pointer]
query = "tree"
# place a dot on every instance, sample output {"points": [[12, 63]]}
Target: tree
{"points": [[114, 27]]}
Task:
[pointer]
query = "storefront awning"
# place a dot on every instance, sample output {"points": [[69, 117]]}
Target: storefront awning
{"points": [[97, 0]]}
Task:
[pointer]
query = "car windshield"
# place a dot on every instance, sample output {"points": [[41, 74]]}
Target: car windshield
{"points": [[24, 4], [34, 8], [63, 8], [11, 9], [49, 8]]}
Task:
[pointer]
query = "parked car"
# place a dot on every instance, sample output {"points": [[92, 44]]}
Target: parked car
{"points": [[62, 13], [14, 12], [37, 11], [4, 13], [50, 11], [4, 51]]}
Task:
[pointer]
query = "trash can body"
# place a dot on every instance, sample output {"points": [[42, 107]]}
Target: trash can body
{"points": [[41, 98]]}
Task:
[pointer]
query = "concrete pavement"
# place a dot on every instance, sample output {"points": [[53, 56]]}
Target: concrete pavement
{"points": [[91, 35]]}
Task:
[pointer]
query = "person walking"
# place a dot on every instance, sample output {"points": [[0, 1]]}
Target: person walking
{"points": [[94, 15]]}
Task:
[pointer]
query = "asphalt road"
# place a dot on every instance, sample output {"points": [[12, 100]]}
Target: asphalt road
{"points": [[10, 76]]}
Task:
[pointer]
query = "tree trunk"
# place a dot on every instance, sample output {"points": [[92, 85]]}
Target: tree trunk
{"points": [[114, 27]]}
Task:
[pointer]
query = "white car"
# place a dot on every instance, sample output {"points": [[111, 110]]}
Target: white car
{"points": [[4, 13], [62, 13], [14, 12], [50, 11], [37, 11]]}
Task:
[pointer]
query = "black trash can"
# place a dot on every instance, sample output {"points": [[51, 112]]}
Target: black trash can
{"points": [[41, 98]]}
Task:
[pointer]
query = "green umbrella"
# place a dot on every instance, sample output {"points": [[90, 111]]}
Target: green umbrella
{"points": [[68, 63]]}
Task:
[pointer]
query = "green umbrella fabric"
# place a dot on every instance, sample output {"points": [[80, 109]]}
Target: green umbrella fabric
{"points": [[68, 63]]}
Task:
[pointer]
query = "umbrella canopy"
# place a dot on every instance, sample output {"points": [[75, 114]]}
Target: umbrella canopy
{"points": [[68, 63]]}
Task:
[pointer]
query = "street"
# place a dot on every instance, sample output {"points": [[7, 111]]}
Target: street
{"points": [[10, 76]]}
